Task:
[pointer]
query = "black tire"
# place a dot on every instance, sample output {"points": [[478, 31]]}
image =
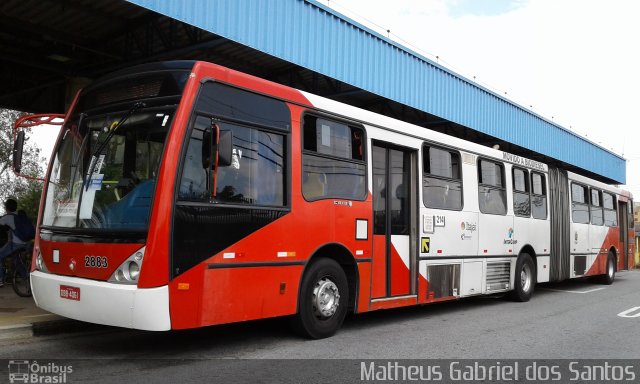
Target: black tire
{"points": [[323, 300], [610, 275], [524, 279], [21, 276]]}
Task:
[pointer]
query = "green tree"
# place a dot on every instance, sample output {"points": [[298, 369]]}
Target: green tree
{"points": [[27, 192]]}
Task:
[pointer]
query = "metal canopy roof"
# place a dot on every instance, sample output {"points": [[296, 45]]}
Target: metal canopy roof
{"points": [[50, 47]]}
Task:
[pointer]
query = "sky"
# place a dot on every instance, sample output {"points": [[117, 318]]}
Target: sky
{"points": [[45, 137], [575, 62]]}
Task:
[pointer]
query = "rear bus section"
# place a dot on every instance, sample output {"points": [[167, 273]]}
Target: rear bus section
{"points": [[600, 225]]}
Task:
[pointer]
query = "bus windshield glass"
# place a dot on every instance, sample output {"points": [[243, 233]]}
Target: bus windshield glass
{"points": [[111, 188], [106, 165]]}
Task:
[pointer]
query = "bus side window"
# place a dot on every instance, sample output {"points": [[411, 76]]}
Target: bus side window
{"points": [[442, 179], [492, 192], [579, 204], [333, 160], [193, 182], [597, 216], [257, 126], [256, 173], [538, 196], [521, 197], [610, 210]]}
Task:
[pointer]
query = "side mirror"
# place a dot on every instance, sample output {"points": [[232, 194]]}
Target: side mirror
{"points": [[207, 147], [26, 122], [18, 146], [218, 154], [225, 148], [222, 149]]}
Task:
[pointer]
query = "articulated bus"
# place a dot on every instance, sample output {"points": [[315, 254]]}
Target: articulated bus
{"points": [[185, 194]]}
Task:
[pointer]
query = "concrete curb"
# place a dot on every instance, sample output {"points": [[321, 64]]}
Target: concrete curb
{"points": [[15, 331]]}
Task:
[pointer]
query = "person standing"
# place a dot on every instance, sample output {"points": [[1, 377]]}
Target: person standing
{"points": [[14, 242]]}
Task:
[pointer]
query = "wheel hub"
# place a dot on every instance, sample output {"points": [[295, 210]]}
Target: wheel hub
{"points": [[326, 298], [525, 278]]}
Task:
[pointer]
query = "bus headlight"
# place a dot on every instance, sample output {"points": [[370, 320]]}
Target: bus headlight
{"points": [[119, 275], [40, 265], [129, 270], [134, 270]]}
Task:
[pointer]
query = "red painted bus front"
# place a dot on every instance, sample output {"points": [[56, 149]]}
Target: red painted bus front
{"points": [[116, 239], [97, 257]]}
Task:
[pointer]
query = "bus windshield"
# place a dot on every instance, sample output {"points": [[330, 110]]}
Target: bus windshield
{"points": [[105, 167]]}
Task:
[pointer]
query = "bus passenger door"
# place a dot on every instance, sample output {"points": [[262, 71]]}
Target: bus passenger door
{"points": [[623, 221], [394, 202]]}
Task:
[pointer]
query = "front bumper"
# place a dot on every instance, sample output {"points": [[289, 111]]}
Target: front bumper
{"points": [[104, 303]]}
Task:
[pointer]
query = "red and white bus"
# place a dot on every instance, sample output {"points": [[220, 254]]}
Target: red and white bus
{"points": [[185, 194]]}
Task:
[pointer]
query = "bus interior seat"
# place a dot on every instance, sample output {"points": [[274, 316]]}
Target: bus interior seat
{"points": [[314, 185]]}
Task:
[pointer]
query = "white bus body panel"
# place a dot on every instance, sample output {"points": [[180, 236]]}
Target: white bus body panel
{"points": [[544, 267], [472, 277], [104, 303]]}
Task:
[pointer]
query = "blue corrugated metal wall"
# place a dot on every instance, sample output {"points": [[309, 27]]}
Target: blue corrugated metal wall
{"points": [[311, 35]]}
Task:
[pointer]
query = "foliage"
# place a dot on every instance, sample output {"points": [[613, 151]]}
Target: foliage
{"points": [[26, 192]]}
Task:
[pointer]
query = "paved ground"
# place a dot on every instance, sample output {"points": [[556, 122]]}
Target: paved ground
{"points": [[571, 320], [17, 314]]}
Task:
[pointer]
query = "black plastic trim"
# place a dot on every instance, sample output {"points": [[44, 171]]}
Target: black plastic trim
{"points": [[92, 236]]}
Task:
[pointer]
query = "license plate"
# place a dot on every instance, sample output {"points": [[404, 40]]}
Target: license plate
{"points": [[69, 292]]}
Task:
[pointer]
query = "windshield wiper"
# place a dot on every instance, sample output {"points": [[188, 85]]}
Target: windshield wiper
{"points": [[94, 157], [74, 163]]}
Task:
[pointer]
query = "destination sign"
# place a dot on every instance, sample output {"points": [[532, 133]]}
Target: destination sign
{"points": [[514, 159]]}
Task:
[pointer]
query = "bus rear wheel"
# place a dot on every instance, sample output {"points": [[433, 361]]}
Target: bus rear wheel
{"points": [[323, 300], [524, 279], [608, 277]]}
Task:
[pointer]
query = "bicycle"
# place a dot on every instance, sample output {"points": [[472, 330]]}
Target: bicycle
{"points": [[17, 266]]}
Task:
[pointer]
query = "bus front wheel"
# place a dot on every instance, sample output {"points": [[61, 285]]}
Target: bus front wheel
{"points": [[323, 300]]}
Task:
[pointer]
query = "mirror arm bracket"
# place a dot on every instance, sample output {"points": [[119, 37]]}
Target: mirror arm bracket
{"points": [[216, 131], [30, 121]]}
